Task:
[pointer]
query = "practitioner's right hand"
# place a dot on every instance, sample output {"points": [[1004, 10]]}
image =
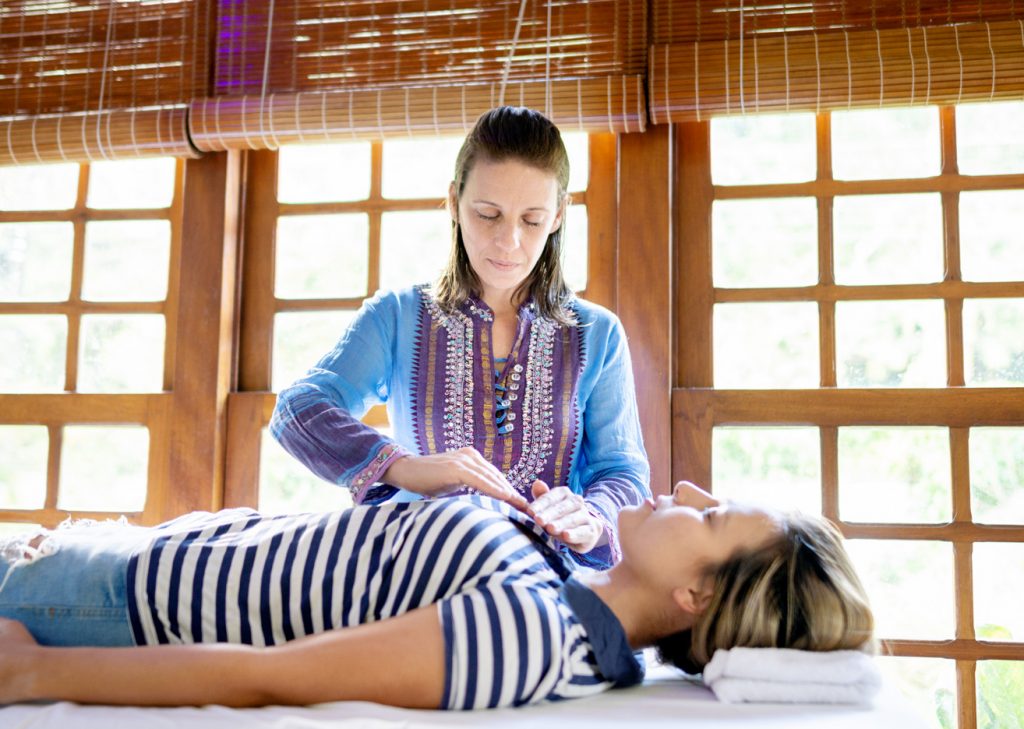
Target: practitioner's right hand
{"points": [[440, 473], [16, 665]]}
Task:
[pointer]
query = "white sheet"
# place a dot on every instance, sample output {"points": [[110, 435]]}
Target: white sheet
{"points": [[663, 700]]}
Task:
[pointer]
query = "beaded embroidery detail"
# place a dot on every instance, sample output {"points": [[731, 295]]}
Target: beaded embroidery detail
{"points": [[538, 406], [535, 386], [458, 375], [374, 469]]}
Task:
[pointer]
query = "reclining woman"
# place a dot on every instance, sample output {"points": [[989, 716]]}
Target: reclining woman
{"points": [[458, 603]]}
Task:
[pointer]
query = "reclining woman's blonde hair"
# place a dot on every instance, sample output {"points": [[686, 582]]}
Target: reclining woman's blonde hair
{"points": [[799, 591]]}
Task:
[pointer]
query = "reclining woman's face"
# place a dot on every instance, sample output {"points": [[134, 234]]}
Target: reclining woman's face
{"points": [[675, 537]]}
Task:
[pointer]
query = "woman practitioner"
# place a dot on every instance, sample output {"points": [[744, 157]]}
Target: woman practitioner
{"points": [[457, 603], [496, 377]]}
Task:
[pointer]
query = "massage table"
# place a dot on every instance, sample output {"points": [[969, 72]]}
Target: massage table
{"points": [[666, 698]]}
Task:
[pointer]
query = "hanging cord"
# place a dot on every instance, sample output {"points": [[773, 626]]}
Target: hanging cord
{"points": [[266, 69], [103, 81], [743, 103], [512, 52], [548, 102]]}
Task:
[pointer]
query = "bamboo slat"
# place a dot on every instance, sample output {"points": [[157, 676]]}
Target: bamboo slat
{"points": [[74, 56], [115, 134], [313, 45], [614, 104], [676, 22], [837, 69]]}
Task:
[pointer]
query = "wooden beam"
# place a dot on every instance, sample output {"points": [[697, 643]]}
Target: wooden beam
{"points": [[602, 222], [260, 231], [645, 284], [952, 407], [58, 409], [205, 345]]}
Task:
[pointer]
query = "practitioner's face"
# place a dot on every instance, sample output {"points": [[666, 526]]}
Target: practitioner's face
{"points": [[673, 538], [507, 211]]}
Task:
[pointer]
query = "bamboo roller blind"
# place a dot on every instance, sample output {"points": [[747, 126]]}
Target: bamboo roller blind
{"points": [[249, 122], [376, 69], [97, 79], [371, 44], [94, 79], [721, 57]]}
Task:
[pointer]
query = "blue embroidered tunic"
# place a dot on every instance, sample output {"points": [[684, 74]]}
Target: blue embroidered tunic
{"points": [[565, 412]]}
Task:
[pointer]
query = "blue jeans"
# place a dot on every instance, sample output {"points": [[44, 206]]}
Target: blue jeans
{"points": [[77, 595]]}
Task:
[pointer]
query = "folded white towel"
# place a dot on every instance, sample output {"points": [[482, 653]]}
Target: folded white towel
{"points": [[784, 675]]}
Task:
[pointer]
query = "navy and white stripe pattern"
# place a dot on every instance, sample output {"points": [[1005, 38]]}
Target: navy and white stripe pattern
{"points": [[235, 576]]}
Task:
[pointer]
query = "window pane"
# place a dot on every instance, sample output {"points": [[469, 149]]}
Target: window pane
{"points": [[890, 344], [763, 148], [322, 256], [997, 475], [103, 468], [886, 239], [993, 345], [909, 584], [885, 143], [35, 261], [301, 339], [766, 345], [771, 242], [419, 168], [991, 237], [414, 247], [136, 183], [288, 487], [126, 260], [23, 458], [576, 247], [38, 187], [13, 529], [895, 474], [988, 140], [928, 683], [779, 467], [577, 146], [1000, 686], [323, 172], [34, 347], [121, 353], [999, 592]]}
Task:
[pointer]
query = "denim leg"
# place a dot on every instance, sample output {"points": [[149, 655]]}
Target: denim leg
{"points": [[73, 592]]}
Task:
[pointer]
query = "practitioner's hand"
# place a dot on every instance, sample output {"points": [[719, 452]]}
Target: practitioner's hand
{"points": [[16, 665], [564, 515], [443, 472]]}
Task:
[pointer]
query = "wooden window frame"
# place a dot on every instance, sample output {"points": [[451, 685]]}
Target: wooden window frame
{"points": [[698, 407], [185, 455]]}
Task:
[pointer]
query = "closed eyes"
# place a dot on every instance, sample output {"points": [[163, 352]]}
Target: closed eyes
{"points": [[493, 218]]}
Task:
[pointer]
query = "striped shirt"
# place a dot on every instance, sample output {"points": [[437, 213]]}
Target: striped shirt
{"points": [[517, 627]]}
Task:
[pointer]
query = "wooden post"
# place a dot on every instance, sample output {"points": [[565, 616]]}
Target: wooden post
{"points": [[692, 431], [645, 285], [204, 369]]}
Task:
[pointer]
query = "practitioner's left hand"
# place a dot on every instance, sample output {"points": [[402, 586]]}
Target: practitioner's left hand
{"points": [[564, 515]]}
